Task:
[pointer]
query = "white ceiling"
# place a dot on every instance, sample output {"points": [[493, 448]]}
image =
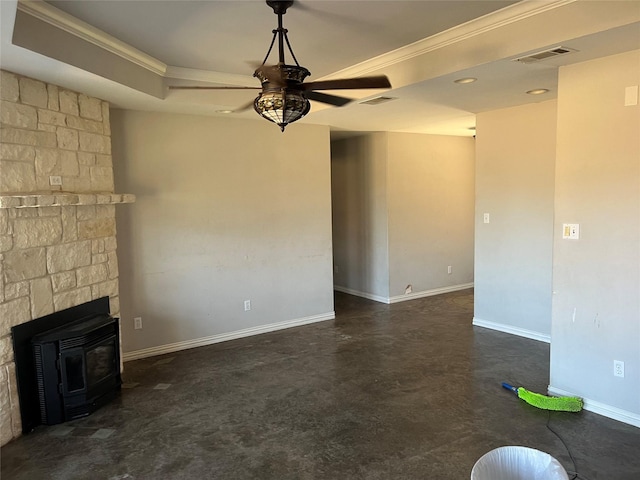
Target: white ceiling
{"points": [[421, 45]]}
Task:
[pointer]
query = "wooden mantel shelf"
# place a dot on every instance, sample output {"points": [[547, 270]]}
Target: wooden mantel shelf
{"points": [[59, 199]]}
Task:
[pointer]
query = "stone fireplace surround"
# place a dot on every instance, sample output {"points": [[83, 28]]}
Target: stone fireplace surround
{"points": [[57, 243]]}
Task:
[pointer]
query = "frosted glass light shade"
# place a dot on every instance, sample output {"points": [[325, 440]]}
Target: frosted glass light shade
{"points": [[282, 107]]}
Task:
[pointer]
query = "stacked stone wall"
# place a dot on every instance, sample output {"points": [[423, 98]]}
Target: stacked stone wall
{"points": [[51, 257]]}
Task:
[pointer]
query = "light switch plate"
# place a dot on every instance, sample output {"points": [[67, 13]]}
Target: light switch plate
{"points": [[571, 231]]}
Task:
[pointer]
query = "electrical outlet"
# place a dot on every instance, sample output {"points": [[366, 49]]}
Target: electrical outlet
{"points": [[247, 305], [618, 368], [486, 218], [55, 180], [137, 323], [449, 269]]}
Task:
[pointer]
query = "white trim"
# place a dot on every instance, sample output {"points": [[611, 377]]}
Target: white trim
{"points": [[505, 16], [603, 409], [70, 24], [403, 298], [520, 332], [223, 337], [430, 293], [357, 293]]}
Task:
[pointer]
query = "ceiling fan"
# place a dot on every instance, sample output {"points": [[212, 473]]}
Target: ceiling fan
{"points": [[285, 97]]}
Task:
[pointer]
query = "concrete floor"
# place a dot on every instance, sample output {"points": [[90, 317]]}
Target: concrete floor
{"points": [[403, 391]]}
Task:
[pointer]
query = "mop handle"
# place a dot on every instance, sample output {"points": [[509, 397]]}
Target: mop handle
{"points": [[510, 387]]}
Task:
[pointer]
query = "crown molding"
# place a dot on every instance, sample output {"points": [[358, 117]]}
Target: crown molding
{"points": [[70, 24], [495, 20]]}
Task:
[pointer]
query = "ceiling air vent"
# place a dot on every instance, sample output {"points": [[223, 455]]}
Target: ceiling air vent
{"points": [[377, 100], [546, 54]]}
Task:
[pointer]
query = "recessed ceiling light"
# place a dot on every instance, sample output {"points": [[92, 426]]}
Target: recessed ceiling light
{"points": [[224, 111], [538, 91], [465, 80]]}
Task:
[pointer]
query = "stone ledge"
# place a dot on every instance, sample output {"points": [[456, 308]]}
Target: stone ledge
{"points": [[52, 199]]}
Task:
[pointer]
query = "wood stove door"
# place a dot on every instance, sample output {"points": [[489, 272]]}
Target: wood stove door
{"points": [[73, 367]]}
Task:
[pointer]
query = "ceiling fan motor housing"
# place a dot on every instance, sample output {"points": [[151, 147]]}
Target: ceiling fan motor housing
{"points": [[279, 6], [291, 75]]}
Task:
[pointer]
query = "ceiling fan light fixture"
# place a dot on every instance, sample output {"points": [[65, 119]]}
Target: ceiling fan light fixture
{"points": [[282, 107], [285, 98]]}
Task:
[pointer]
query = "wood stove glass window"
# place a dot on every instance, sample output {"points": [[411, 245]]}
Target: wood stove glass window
{"points": [[86, 367], [101, 362], [74, 371]]}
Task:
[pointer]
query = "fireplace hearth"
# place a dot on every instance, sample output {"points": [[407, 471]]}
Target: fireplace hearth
{"points": [[67, 363]]}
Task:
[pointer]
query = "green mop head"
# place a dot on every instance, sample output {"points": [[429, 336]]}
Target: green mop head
{"points": [[560, 404]]}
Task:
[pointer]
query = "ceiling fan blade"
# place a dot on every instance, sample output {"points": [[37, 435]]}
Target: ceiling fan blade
{"points": [[329, 99], [244, 107], [211, 88], [377, 81]]}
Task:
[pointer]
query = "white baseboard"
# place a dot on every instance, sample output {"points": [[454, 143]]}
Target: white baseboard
{"points": [[601, 408], [403, 298], [223, 337], [430, 293], [358, 293], [520, 332]]}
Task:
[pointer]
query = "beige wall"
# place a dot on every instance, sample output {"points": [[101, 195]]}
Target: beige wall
{"points": [[596, 279], [227, 210], [515, 158], [583, 154], [57, 244], [402, 213], [360, 215], [430, 201]]}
